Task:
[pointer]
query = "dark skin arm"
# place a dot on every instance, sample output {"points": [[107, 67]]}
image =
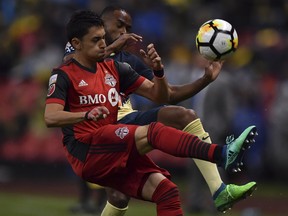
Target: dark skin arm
{"points": [[177, 93]]}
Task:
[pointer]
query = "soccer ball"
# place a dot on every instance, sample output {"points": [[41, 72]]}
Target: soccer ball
{"points": [[216, 39]]}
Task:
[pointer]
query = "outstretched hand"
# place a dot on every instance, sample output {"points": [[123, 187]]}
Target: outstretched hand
{"points": [[212, 70], [152, 58], [125, 41], [99, 112]]}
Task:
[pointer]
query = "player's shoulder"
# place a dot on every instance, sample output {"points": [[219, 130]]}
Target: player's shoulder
{"points": [[124, 56], [129, 55], [64, 67], [64, 64]]}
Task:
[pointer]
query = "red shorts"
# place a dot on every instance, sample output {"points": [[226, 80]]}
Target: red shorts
{"points": [[113, 160]]}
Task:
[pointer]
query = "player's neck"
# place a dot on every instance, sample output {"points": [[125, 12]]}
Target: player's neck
{"points": [[85, 62]]}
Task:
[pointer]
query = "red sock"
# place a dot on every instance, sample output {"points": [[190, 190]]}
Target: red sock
{"points": [[182, 144], [166, 196]]}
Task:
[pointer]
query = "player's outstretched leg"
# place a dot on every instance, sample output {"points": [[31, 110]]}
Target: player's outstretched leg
{"points": [[181, 144], [236, 148], [224, 196], [228, 195]]}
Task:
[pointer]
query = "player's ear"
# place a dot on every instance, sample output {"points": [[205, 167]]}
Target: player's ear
{"points": [[76, 43]]}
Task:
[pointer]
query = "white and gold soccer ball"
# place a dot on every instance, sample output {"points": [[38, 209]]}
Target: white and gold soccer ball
{"points": [[216, 39]]}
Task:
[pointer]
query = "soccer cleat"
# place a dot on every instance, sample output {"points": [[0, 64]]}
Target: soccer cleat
{"points": [[236, 148], [232, 194]]}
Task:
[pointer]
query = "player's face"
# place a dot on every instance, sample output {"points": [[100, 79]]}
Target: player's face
{"points": [[93, 44], [117, 24]]}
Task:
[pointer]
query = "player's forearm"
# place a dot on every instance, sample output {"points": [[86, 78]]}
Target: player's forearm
{"points": [[161, 90], [182, 92], [63, 118], [109, 50]]}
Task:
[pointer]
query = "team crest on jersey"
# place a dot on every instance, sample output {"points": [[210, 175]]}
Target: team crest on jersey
{"points": [[110, 80], [52, 84], [51, 89], [53, 79], [122, 132]]}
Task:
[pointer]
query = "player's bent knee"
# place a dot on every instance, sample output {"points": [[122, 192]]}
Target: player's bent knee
{"points": [[165, 187], [117, 198], [191, 114], [176, 116], [185, 116], [167, 198]]}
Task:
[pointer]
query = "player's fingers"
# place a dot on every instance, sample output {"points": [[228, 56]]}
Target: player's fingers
{"points": [[153, 55], [103, 110], [217, 65], [157, 60], [150, 46], [134, 39], [143, 53], [138, 37]]}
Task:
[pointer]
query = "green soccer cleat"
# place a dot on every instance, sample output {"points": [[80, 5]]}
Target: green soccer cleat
{"points": [[236, 148], [232, 194]]}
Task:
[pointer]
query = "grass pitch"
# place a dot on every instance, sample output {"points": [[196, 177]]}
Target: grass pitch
{"points": [[36, 205], [270, 200]]}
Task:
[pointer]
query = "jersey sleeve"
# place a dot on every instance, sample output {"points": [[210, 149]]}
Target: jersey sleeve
{"points": [[129, 79], [58, 87]]}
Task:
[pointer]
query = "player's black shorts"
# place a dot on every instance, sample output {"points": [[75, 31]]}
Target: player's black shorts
{"points": [[141, 117]]}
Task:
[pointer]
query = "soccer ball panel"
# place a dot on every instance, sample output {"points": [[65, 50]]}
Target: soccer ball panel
{"points": [[205, 33], [222, 25], [207, 52], [222, 42]]}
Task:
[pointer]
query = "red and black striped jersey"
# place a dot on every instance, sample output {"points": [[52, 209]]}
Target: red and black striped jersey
{"points": [[80, 89]]}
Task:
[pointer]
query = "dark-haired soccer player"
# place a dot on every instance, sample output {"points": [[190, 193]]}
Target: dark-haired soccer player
{"points": [[83, 99]]}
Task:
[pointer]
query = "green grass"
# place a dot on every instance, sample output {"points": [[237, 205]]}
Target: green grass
{"points": [[20, 204], [37, 205]]}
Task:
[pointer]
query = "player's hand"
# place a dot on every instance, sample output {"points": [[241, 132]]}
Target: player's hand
{"points": [[212, 70], [99, 112], [151, 58], [123, 42]]}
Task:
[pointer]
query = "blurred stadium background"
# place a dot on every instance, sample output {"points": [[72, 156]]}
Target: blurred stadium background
{"points": [[252, 89]]}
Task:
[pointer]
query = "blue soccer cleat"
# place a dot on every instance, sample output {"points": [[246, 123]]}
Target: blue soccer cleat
{"points": [[236, 148]]}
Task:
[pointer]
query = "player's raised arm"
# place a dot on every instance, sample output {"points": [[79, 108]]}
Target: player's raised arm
{"points": [[173, 94], [157, 90], [211, 69]]}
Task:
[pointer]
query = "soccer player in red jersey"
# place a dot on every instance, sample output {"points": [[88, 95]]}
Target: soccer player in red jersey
{"points": [[83, 99]]}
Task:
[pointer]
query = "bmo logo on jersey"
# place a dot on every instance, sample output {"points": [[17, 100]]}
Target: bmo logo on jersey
{"points": [[112, 95]]}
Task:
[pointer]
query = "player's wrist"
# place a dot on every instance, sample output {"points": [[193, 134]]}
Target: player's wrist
{"points": [[159, 73], [86, 116], [207, 79]]}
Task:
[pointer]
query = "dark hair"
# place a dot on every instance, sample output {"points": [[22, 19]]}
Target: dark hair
{"points": [[110, 9], [80, 23]]}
